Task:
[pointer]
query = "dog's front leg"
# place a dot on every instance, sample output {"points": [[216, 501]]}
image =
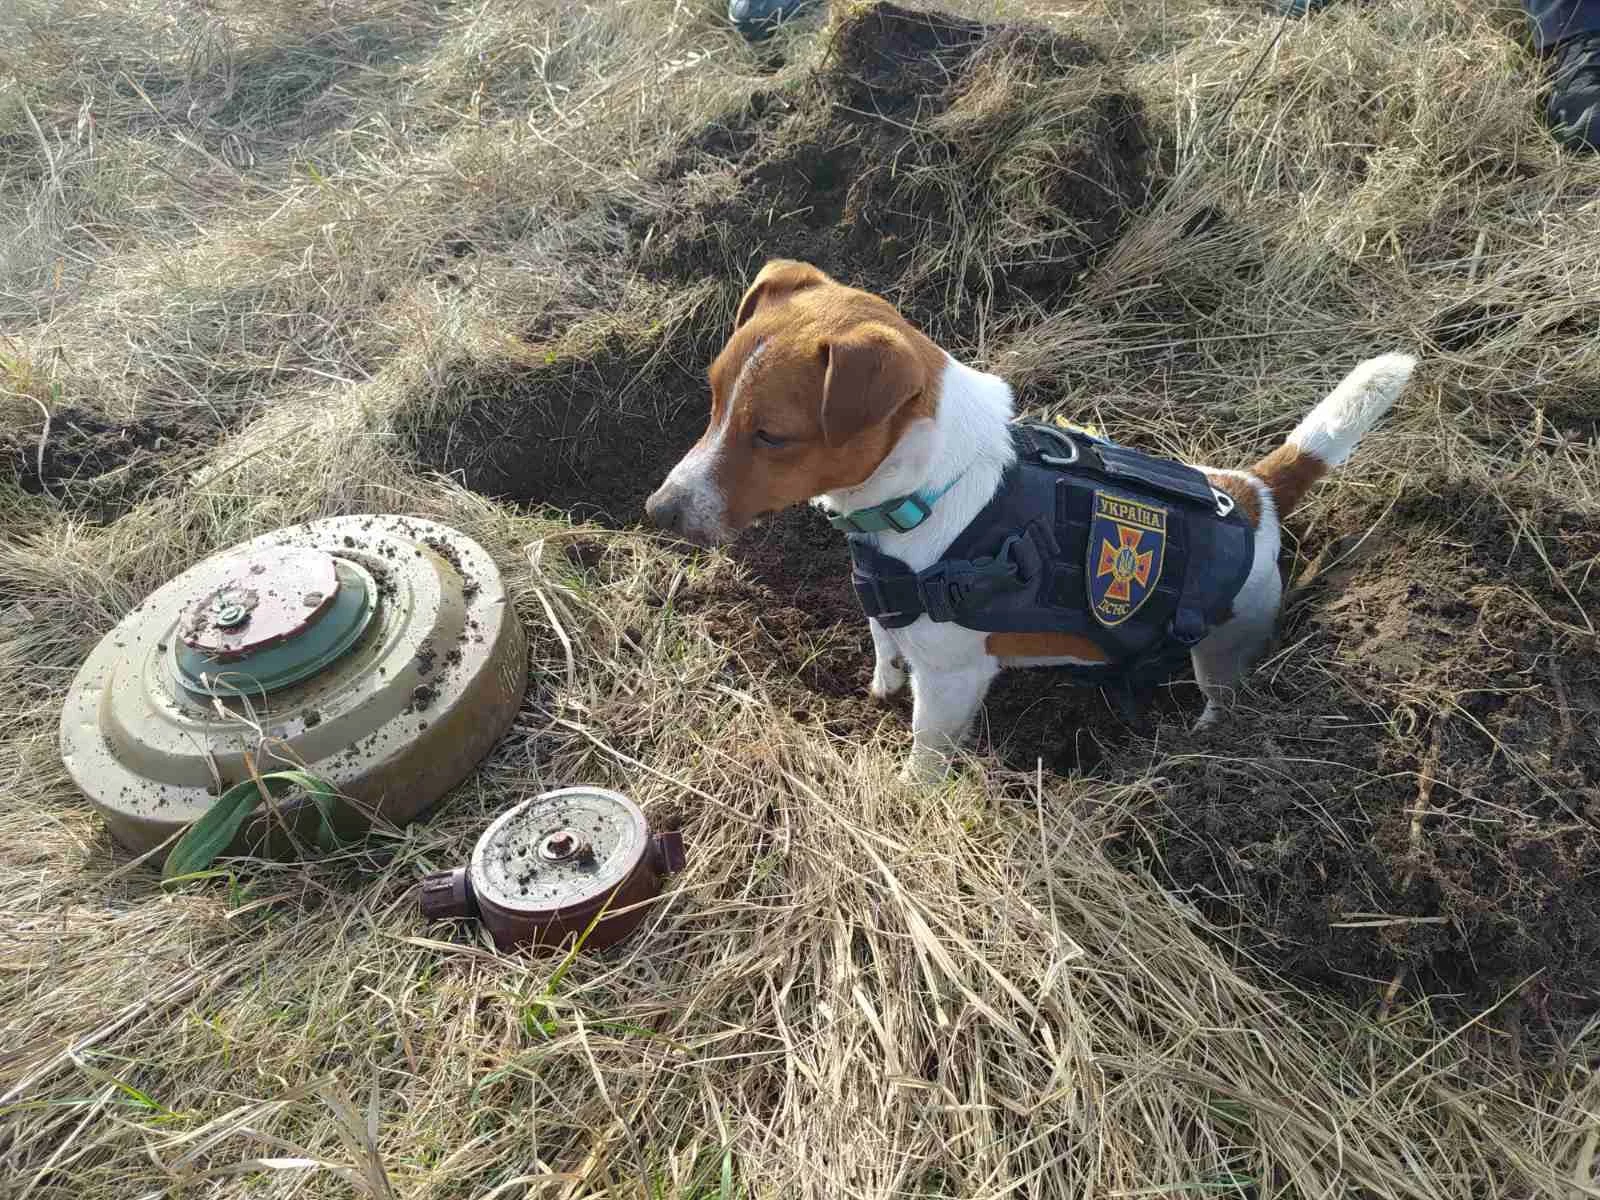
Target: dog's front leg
{"points": [[889, 669], [945, 703]]}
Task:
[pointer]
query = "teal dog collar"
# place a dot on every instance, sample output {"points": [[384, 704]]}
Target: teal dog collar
{"points": [[902, 514]]}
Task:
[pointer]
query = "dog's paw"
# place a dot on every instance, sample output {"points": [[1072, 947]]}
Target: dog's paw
{"points": [[925, 768], [888, 679]]}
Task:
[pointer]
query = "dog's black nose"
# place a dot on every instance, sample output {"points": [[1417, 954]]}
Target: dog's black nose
{"points": [[666, 509]]}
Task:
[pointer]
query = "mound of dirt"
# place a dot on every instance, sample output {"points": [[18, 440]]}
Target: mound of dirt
{"points": [[950, 165], [1417, 790], [102, 468]]}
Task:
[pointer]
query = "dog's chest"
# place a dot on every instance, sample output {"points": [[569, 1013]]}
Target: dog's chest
{"points": [[937, 646]]}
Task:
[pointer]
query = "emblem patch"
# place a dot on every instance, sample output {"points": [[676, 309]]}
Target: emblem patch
{"points": [[1127, 543]]}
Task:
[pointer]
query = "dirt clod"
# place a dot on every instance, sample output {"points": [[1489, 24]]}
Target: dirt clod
{"points": [[585, 554], [426, 657]]}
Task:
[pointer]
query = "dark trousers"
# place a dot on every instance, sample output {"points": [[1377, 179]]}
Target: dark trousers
{"points": [[1555, 21]]}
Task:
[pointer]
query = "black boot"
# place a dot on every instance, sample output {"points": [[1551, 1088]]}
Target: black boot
{"points": [[1574, 107]]}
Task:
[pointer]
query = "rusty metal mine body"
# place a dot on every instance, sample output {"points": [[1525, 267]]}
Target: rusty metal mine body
{"points": [[380, 653], [555, 866]]}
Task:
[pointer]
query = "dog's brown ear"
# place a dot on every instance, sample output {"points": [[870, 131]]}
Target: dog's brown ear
{"points": [[871, 372], [780, 277]]}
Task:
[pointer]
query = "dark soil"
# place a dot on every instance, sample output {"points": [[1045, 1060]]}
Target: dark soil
{"points": [[580, 435], [1415, 787], [102, 468]]}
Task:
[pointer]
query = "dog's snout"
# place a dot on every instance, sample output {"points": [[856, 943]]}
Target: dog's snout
{"points": [[689, 506], [666, 509]]}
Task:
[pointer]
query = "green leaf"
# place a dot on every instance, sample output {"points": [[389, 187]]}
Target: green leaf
{"points": [[211, 834]]}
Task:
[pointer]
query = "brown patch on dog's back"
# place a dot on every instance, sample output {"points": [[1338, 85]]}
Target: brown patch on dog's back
{"points": [[1289, 473], [1043, 645], [1245, 496]]}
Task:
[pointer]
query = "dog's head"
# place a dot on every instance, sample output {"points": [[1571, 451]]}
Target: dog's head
{"points": [[815, 387]]}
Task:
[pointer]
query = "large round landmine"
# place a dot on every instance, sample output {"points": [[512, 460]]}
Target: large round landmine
{"points": [[574, 861], [378, 652]]}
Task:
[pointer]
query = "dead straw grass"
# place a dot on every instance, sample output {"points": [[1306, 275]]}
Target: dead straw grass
{"points": [[854, 991]]}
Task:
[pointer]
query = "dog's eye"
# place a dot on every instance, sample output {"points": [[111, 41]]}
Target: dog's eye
{"points": [[767, 440]]}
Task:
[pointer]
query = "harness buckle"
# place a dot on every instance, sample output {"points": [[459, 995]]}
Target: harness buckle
{"points": [[1224, 502], [874, 589], [870, 593], [951, 589]]}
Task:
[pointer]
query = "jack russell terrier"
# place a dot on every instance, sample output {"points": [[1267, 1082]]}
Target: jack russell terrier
{"points": [[980, 543]]}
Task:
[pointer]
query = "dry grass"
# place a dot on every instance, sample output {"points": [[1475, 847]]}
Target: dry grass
{"points": [[292, 221]]}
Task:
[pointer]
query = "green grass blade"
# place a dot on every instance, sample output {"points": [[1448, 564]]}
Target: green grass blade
{"points": [[324, 798]]}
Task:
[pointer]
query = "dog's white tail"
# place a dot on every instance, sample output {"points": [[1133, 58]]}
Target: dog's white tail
{"points": [[1331, 430]]}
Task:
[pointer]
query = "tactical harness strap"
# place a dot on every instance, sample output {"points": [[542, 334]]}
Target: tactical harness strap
{"points": [[1026, 563], [952, 589]]}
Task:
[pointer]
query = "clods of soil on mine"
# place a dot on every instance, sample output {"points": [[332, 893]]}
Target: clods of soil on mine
{"points": [[1405, 802]]}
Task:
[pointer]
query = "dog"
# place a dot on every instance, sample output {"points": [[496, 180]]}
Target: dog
{"points": [[825, 394]]}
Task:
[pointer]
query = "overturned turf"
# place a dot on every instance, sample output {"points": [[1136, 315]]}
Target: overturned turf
{"points": [[1410, 794], [961, 169], [100, 468]]}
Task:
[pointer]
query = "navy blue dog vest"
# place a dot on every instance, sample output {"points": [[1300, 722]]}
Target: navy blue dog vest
{"points": [[1138, 554]]}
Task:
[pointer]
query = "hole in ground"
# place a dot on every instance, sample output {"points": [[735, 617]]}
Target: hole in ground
{"points": [[100, 468]]}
